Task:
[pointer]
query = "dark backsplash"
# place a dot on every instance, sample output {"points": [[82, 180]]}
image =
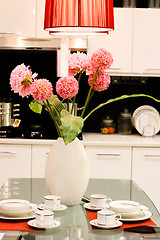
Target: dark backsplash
{"points": [[45, 64]]}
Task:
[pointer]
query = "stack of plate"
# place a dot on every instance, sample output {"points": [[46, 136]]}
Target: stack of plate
{"points": [[146, 120], [130, 210], [15, 209]]}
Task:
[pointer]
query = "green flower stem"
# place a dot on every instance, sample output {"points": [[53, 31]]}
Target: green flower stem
{"points": [[68, 105], [89, 93], [74, 99], [47, 105], [120, 98]]}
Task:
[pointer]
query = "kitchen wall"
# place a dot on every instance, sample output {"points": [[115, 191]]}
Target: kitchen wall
{"points": [[122, 85], [44, 62]]}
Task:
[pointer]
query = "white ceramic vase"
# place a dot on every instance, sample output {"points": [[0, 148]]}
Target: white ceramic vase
{"points": [[67, 171]]}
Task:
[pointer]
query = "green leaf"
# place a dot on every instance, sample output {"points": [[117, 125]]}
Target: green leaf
{"points": [[71, 126], [54, 107], [35, 106]]}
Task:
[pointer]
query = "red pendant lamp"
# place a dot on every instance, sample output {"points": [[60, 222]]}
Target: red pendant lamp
{"points": [[78, 17]]}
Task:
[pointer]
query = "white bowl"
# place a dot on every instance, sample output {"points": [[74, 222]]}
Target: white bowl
{"points": [[125, 206], [15, 207]]}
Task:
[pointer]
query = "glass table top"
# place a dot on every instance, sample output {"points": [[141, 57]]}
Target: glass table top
{"points": [[74, 220]]}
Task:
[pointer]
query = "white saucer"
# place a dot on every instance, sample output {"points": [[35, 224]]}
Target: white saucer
{"points": [[29, 216], [95, 224], [89, 207], [32, 223], [61, 208], [146, 215]]}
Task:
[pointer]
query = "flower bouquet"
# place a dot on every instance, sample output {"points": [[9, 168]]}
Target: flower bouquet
{"points": [[68, 125]]}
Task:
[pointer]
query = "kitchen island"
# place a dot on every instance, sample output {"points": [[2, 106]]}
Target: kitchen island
{"points": [[74, 219]]}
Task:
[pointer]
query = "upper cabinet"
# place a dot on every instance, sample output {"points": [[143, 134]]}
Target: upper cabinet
{"points": [[118, 42], [146, 41], [134, 43], [17, 18], [23, 19]]}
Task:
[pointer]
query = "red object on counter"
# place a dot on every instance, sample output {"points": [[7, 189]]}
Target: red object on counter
{"points": [[17, 226]]}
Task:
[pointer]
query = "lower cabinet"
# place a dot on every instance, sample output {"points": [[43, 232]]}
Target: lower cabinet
{"points": [[110, 162], [15, 161], [39, 156], [146, 171]]}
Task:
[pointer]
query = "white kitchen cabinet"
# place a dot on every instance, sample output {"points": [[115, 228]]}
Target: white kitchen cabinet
{"points": [[15, 161], [39, 156], [109, 162], [146, 171], [18, 17], [118, 42], [146, 39]]}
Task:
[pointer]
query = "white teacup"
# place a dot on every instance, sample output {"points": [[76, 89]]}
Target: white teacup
{"points": [[44, 218], [99, 200], [107, 217], [52, 202]]}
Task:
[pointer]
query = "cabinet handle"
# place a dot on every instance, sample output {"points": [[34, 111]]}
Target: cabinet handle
{"points": [[108, 154], [114, 68], [151, 155], [152, 69], [7, 152]]}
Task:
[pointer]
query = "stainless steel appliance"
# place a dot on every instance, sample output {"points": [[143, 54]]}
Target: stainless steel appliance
{"points": [[9, 118], [5, 114]]}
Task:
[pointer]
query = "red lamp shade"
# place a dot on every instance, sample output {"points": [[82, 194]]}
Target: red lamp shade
{"points": [[78, 16]]}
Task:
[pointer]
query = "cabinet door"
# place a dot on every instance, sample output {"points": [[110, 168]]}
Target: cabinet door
{"points": [[118, 42], [146, 39], [18, 17], [145, 171], [110, 162], [39, 156], [15, 161]]}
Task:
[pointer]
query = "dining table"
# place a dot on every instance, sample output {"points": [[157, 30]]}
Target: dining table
{"points": [[75, 220]]}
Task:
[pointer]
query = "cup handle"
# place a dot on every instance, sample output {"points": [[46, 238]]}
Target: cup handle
{"points": [[108, 200], [118, 217]]}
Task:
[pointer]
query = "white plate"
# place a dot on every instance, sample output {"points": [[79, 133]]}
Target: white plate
{"points": [[30, 216], [144, 107], [95, 224], [153, 117], [89, 207], [147, 215], [136, 214], [32, 223], [152, 120], [61, 208], [125, 206]]}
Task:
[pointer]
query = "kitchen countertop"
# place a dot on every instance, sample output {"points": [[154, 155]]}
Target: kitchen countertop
{"points": [[96, 139]]}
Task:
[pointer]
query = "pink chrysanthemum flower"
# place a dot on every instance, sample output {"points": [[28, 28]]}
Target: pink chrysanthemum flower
{"points": [[101, 82], [41, 89], [21, 79], [78, 62], [101, 60], [67, 87]]}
